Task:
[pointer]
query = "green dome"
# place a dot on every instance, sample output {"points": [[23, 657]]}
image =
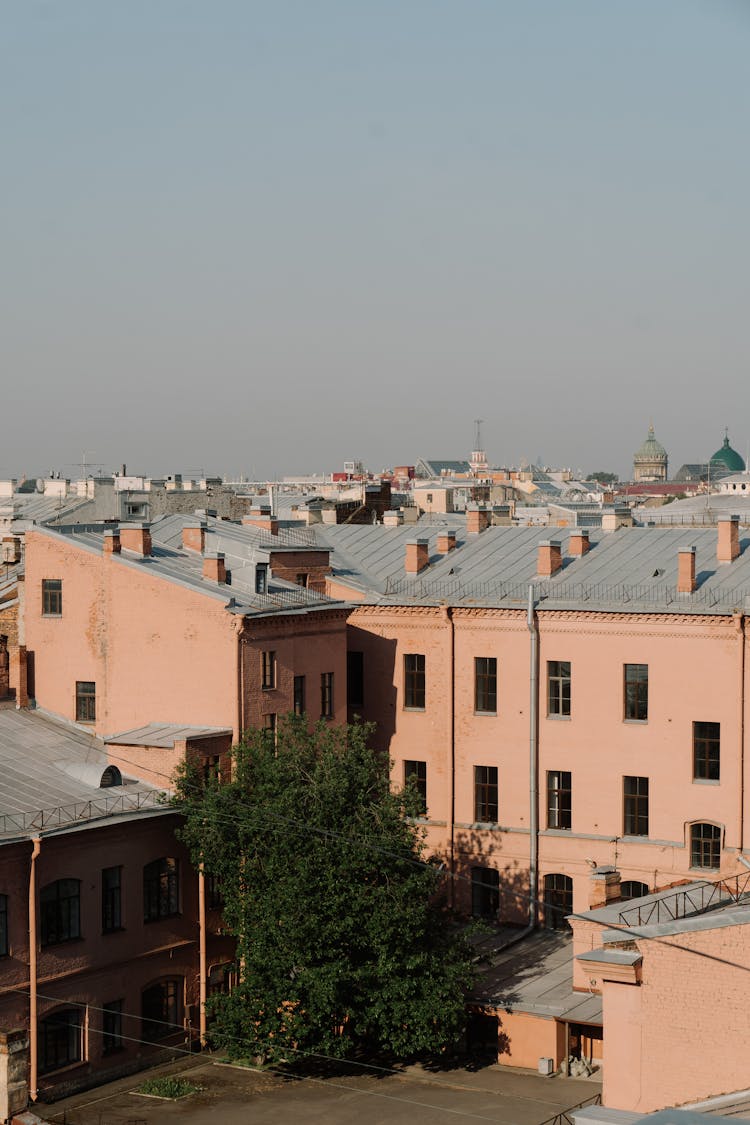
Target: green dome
{"points": [[728, 458], [651, 450]]}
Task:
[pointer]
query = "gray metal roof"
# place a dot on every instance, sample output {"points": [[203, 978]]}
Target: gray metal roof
{"points": [[631, 570], [50, 774], [164, 735], [699, 511], [536, 975]]}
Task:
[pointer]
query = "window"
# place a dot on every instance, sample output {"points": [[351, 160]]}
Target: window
{"points": [[485, 685], [111, 899], [60, 909], [161, 1010], [268, 670], [299, 695], [61, 1039], [52, 597], [4, 944], [270, 728], [161, 889], [326, 695], [636, 692], [214, 897], [301, 579], [211, 768], [705, 845], [485, 794], [485, 892], [559, 814], [355, 679], [261, 579], [558, 901], [631, 888], [414, 681], [558, 687], [417, 773], [85, 701], [635, 806], [112, 1027], [706, 751]]}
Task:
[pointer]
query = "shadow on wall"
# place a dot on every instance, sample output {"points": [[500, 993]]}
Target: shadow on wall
{"points": [[378, 667], [484, 887]]}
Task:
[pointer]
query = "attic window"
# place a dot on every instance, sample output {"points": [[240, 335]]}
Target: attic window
{"points": [[110, 777], [657, 573]]}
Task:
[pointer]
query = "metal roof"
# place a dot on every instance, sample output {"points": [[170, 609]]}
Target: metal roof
{"points": [[164, 735], [49, 777]]}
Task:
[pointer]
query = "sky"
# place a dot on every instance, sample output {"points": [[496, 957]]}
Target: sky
{"points": [[265, 237]]}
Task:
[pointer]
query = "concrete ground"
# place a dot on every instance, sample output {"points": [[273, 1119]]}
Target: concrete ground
{"points": [[414, 1096]]}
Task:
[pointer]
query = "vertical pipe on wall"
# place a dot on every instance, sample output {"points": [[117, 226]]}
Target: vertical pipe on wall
{"points": [[531, 621], [202, 954], [741, 825], [448, 614], [33, 1035]]}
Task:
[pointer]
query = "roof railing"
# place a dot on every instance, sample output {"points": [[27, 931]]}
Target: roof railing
{"points": [[62, 816], [698, 898]]}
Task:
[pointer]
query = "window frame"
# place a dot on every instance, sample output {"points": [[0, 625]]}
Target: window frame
{"points": [[326, 695], [54, 1030], [85, 701], [418, 771], [112, 1034], [706, 845], [415, 681], [631, 884], [161, 889], [560, 810], [486, 794], [299, 695], [559, 689], [485, 892], [635, 694], [171, 1009], [268, 670], [635, 805], [706, 751], [557, 899], [60, 914], [112, 901], [485, 685], [52, 597]]}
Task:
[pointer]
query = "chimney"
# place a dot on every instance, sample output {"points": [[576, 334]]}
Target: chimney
{"points": [[261, 517], [446, 541], [578, 544], [686, 571], [11, 549], [214, 569], [604, 887], [477, 519], [111, 545], [136, 537], [417, 556], [194, 537], [393, 519], [728, 547], [549, 559]]}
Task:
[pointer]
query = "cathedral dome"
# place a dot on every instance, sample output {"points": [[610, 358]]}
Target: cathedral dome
{"points": [[651, 450], [728, 458]]}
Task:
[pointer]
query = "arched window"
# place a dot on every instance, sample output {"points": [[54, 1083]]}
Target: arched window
{"points": [[110, 777], [631, 888], [558, 901], [61, 1039], [705, 845], [161, 1009], [161, 889], [60, 909]]}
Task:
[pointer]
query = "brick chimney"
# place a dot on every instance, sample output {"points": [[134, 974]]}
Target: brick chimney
{"points": [[604, 886], [194, 537], [686, 571], [136, 537], [477, 519], [111, 544], [417, 556], [214, 568], [549, 559], [446, 541], [579, 542], [11, 549], [728, 547], [261, 517]]}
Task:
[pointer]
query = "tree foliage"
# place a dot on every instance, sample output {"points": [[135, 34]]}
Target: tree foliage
{"points": [[604, 478], [342, 941]]}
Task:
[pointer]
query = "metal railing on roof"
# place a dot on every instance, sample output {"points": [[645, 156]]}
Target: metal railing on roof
{"points": [[545, 590], [286, 537], [565, 1116], [696, 899], [283, 599], [65, 815]]}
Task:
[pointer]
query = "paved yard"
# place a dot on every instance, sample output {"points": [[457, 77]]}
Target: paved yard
{"points": [[235, 1096]]}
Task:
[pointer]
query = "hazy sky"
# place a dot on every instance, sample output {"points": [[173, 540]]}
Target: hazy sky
{"points": [[266, 237]]}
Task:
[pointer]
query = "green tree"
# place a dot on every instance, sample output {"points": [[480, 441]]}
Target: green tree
{"points": [[343, 943], [604, 478]]}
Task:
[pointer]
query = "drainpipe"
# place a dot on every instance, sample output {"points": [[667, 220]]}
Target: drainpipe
{"points": [[448, 615], [741, 628], [531, 621], [33, 1062], [202, 953]]}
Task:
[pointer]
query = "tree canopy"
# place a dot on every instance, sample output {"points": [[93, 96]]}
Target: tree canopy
{"points": [[604, 478], [343, 943]]}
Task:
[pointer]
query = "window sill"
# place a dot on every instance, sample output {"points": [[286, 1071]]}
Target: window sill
{"points": [[558, 828], [64, 1068], [631, 838], [635, 722], [559, 718], [161, 918], [706, 781], [419, 710], [486, 714], [113, 930], [62, 941], [52, 616]]}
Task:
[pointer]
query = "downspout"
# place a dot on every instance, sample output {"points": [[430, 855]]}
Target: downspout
{"points": [[448, 614], [202, 953], [741, 627], [533, 627], [33, 1035]]}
